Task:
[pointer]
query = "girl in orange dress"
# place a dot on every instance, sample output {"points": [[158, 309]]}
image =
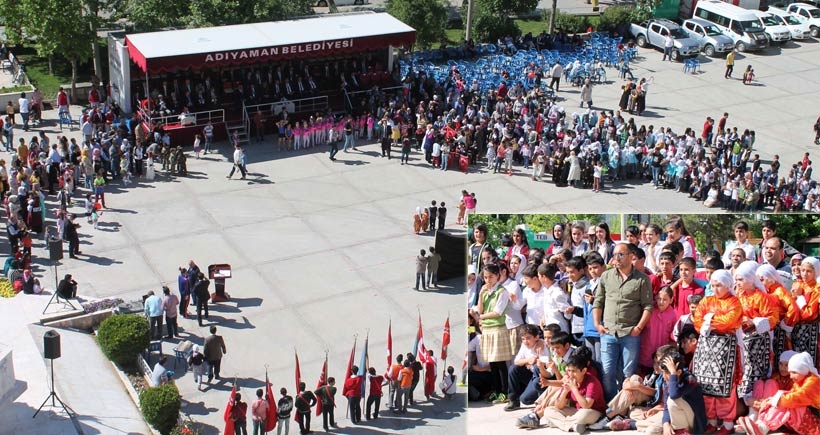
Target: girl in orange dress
{"points": [[790, 407], [720, 313], [807, 298], [417, 221], [788, 310]]}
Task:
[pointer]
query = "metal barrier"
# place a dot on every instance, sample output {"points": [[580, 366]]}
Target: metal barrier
{"points": [[311, 104], [195, 118]]}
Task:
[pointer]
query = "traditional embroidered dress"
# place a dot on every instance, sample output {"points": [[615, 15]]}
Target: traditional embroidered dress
{"points": [[723, 315], [790, 408]]}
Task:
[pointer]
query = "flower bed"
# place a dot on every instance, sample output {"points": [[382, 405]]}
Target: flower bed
{"points": [[102, 304], [6, 289]]}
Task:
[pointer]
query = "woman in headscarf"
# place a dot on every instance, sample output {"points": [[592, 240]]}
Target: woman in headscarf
{"points": [[574, 175], [788, 311], [760, 316], [417, 221], [807, 297], [791, 408], [719, 314], [780, 380], [557, 235]]}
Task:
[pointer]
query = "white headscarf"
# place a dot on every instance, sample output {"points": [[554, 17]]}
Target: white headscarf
{"points": [[769, 272], [787, 355], [803, 364], [815, 263], [747, 270], [725, 278]]}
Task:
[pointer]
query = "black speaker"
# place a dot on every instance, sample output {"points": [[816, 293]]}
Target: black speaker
{"points": [[453, 251], [51, 345], [55, 249]]}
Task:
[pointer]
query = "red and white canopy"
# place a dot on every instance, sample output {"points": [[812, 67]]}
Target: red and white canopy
{"points": [[244, 44]]}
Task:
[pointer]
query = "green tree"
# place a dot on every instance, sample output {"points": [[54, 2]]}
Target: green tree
{"points": [[274, 10], [494, 18], [796, 227], [152, 15], [428, 17]]}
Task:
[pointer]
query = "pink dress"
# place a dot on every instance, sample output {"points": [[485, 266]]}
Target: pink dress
{"points": [[657, 333]]}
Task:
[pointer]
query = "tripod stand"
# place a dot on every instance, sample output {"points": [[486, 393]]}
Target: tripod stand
{"points": [[53, 396], [55, 297]]}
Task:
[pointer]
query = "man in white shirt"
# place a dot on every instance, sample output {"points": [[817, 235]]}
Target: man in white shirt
{"points": [[741, 241], [668, 43], [25, 108], [524, 379]]}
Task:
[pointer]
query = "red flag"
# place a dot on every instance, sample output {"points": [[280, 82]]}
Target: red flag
{"points": [[445, 340], [298, 381], [419, 348], [389, 345], [349, 370], [322, 381], [466, 357], [229, 411], [273, 416]]}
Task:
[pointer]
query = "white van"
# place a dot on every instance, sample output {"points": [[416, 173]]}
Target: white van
{"points": [[743, 26], [775, 29]]}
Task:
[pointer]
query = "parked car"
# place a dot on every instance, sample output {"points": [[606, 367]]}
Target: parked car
{"points": [[799, 30], [711, 39], [742, 25], [805, 13], [774, 28], [654, 32]]}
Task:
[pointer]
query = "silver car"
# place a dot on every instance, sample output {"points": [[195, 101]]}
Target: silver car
{"points": [[711, 39]]}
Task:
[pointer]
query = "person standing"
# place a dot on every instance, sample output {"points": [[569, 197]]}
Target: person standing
{"points": [[239, 415], [193, 276], [353, 392], [153, 311], [430, 372], [375, 393], [556, 72], [442, 215], [170, 305], [304, 401], [394, 385], [208, 132], [327, 395], [331, 140], [70, 234], [238, 157], [668, 44], [214, 350], [349, 140], [203, 295], [621, 310], [184, 292], [25, 108], [283, 409], [730, 64], [586, 94], [433, 261], [259, 413], [405, 381], [416, 367]]}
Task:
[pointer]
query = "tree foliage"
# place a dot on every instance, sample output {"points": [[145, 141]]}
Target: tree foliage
{"points": [[498, 225], [428, 17], [493, 19], [160, 406], [152, 15]]}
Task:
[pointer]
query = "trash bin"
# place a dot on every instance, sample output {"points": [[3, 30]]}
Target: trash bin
{"points": [[219, 273]]}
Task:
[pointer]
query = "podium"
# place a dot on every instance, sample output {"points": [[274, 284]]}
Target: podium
{"points": [[218, 273]]}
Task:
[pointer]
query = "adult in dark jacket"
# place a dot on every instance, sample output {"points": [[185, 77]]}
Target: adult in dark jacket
{"points": [[327, 394], [303, 402], [70, 234], [214, 349], [202, 295]]}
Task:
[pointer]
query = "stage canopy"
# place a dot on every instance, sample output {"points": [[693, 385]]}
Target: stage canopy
{"points": [[243, 44]]}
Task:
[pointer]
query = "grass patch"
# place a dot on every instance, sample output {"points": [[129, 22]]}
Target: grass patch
{"points": [[15, 89], [49, 84]]}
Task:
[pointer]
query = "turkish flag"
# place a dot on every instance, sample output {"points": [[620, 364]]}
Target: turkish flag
{"points": [[273, 416], [229, 411], [298, 381], [322, 381], [445, 340], [389, 345]]}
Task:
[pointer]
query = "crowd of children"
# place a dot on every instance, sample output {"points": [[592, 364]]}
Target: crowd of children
{"points": [[703, 365]]}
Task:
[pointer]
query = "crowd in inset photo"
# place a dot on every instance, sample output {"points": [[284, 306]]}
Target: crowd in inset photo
{"points": [[646, 334]]}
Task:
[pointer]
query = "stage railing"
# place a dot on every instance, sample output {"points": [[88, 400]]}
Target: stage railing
{"points": [[273, 108], [193, 119], [366, 91]]}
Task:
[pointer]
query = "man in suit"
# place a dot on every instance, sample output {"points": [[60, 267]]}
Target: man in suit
{"points": [[214, 350], [326, 393]]}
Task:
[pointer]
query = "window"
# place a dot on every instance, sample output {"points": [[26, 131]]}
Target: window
{"points": [[737, 28]]}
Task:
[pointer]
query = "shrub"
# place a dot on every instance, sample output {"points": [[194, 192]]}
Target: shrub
{"points": [[123, 337], [567, 22], [614, 17], [160, 407]]}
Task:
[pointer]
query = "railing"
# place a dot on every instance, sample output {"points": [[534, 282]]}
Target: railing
{"points": [[273, 108], [190, 119], [365, 91]]}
